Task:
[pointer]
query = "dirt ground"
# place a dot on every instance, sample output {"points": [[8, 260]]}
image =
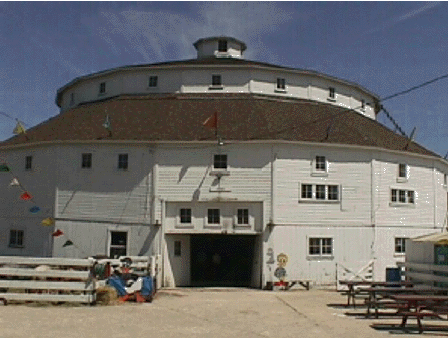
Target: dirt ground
{"points": [[193, 312]]}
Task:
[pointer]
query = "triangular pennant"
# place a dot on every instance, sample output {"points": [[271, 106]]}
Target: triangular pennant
{"points": [[69, 242], [47, 222], [106, 123], [4, 168], [35, 209], [26, 196], [14, 182], [19, 129], [212, 121], [57, 233]]}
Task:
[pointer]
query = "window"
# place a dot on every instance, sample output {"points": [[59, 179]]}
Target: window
{"points": [[402, 170], [320, 246], [16, 238], [177, 248], [243, 216], [102, 87], [222, 45], [402, 196], [152, 81], [86, 160], [363, 104], [444, 180], [281, 84], [213, 216], [216, 80], [400, 245], [123, 161], [331, 93], [28, 162], [185, 216], [321, 164], [220, 161], [333, 192], [307, 191], [118, 244], [320, 192]]}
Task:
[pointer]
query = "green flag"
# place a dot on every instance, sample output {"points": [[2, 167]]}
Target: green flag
{"points": [[4, 168], [68, 243]]}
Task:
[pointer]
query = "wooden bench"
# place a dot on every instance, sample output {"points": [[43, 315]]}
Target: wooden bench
{"points": [[304, 282]]}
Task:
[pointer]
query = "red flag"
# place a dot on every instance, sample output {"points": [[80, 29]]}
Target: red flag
{"points": [[26, 196], [212, 121], [57, 233]]}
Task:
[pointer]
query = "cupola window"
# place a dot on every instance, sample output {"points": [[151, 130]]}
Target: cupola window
{"points": [[153, 81], [331, 93], [222, 46], [102, 87], [281, 84], [216, 80]]}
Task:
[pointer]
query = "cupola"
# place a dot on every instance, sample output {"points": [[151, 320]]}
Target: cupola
{"points": [[220, 47]]}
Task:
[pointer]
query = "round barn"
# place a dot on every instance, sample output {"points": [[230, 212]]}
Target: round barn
{"points": [[235, 172]]}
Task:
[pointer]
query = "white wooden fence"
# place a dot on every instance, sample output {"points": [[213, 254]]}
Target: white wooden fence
{"points": [[365, 273], [57, 279]]}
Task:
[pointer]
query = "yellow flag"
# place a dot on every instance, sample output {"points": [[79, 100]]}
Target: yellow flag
{"points": [[47, 222], [19, 129]]}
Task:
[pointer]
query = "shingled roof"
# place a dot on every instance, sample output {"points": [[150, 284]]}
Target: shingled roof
{"points": [[242, 117]]}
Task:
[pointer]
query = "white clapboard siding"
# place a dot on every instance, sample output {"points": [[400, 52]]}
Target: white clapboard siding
{"points": [[45, 297], [46, 261], [426, 277], [44, 285], [24, 272]]}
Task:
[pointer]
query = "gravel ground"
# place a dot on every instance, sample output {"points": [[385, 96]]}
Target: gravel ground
{"points": [[190, 312]]}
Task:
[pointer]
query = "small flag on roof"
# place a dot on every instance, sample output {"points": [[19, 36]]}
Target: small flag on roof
{"points": [[14, 182], [212, 121], [69, 242], [4, 168], [26, 196], [19, 129], [106, 123], [57, 233], [47, 222], [35, 209]]}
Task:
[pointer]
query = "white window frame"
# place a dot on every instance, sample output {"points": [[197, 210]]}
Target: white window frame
{"points": [[331, 94], [280, 86], [109, 240], [402, 179], [227, 162], [403, 240], [179, 224], [320, 255], [314, 199], [16, 245], [213, 225], [319, 172], [250, 217], [406, 203]]}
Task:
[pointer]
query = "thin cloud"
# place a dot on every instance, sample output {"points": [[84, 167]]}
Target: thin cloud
{"points": [[404, 17], [161, 35]]}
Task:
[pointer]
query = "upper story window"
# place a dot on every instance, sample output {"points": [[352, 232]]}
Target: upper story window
{"points": [[220, 161], [402, 170], [28, 162], [331, 93], [16, 238], [102, 88], [213, 216], [402, 196], [281, 84], [123, 161], [185, 216], [153, 81], [243, 216], [86, 160], [216, 80], [222, 45], [321, 163], [400, 245], [320, 246], [319, 192]]}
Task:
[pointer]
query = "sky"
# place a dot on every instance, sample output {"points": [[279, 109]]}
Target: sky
{"points": [[386, 47]]}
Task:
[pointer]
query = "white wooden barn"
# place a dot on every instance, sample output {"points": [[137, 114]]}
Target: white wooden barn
{"points": [[298, 165]]}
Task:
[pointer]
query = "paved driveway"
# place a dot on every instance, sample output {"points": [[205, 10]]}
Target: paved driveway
{"points": [[195, 313]]}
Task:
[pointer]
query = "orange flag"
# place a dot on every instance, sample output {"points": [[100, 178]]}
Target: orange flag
{"points": [[212, 121]]}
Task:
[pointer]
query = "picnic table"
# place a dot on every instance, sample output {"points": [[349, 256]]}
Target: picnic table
{"points": [[353, 290], [382, 297], [419, 306]]}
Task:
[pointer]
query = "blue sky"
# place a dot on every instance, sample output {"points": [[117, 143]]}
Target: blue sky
{"points": [[385, 47]]}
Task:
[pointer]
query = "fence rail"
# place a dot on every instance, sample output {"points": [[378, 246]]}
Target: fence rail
{"points": [[429, 274]]}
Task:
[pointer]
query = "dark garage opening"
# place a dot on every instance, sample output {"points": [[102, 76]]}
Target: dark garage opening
{"points": [[222, 260]]}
